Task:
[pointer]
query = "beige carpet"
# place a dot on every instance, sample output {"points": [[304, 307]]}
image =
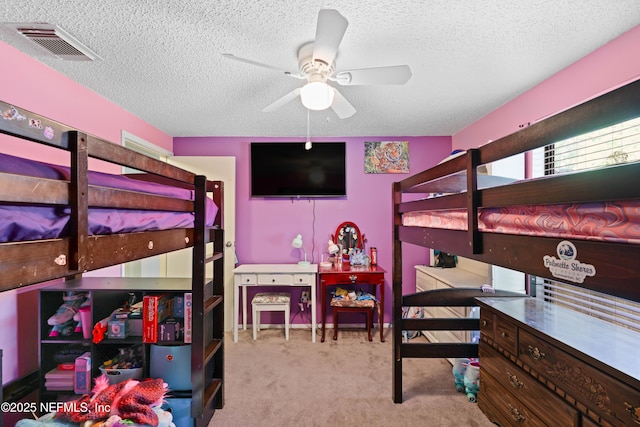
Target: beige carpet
{"points": [[272, 382]]}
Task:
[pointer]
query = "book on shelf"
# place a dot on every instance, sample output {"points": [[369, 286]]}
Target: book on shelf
{"points": [[60, 374]]}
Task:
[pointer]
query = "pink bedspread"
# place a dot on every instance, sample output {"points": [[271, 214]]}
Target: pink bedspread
{"points": [[21, 223], [607, 221]]}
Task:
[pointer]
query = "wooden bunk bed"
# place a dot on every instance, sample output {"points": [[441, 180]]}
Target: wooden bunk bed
{"points": [[77, 247], [604, 260]]}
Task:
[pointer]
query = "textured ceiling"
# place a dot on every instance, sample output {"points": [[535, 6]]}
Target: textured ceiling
{"points": [[162, 60]]}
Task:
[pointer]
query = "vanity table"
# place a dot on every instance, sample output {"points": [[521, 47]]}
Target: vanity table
{"points": [[347, 274], [272, 275]]}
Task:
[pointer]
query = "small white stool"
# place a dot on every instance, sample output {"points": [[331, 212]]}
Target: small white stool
{"points": [[270, 301]]}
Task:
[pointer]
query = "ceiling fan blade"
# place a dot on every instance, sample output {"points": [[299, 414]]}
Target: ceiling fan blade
{"points": [[280, 102], [341, 106], [329, 32], [259, 64], [393, 75]]}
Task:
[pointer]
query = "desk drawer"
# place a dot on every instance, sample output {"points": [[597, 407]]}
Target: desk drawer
{"points": [[352, 277], [299, 279], [275, 279], [248, 279]]}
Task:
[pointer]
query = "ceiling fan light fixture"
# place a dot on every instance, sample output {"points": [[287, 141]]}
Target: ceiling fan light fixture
{"points": [[317, 95]]}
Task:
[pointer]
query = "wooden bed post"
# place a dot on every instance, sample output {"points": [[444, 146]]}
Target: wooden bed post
{"points": [[79, 195], [475, 238], [396, 255]]}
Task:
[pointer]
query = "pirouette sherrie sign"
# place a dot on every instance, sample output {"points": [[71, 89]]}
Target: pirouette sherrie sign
{"points": [[566, 266]]}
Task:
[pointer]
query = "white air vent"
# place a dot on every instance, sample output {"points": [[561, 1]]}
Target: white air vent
{"points": [[57, 41]]}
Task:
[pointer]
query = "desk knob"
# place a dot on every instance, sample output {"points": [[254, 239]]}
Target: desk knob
{"points": [[353, 278]]}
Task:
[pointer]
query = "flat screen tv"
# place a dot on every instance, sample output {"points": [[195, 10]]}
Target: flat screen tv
{"points": [[286, 169]]}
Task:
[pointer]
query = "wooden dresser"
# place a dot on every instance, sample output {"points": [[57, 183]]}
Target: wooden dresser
{"points": [[541, 364]]}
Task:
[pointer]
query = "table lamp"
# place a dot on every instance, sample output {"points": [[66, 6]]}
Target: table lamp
{"points": [[297, 243]]}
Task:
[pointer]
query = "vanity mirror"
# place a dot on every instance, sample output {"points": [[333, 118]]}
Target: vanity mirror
{"points": [[348, 237]]}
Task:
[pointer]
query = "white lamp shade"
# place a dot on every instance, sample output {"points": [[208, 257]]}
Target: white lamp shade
{"points": [[333, 248], [297, 242], [317, 95]]}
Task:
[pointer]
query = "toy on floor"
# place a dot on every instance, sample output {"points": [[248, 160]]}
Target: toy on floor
{"points": [[472, 381], [459, 368]]}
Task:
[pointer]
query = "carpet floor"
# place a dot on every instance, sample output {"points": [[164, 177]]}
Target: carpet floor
{"points": [[347, 382]]}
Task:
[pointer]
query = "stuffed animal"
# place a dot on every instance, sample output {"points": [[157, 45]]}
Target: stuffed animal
{"points": [[120, 404]]}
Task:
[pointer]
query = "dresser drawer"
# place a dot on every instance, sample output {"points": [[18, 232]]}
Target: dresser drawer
{"points": [[275, 279], [534, 395], [611, 399], [506, 335], [509, 410], [424, 281], [487, 323]]}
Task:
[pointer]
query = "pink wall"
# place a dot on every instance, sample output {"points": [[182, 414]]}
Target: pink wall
{"points": [[31, 85], [265, 227], [605, 69]]}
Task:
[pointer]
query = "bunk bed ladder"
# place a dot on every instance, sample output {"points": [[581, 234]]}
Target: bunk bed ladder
{"points": [[449, 297], [208, 315]]}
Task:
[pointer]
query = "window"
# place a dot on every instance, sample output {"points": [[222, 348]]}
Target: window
{"points": [[605, 147]]}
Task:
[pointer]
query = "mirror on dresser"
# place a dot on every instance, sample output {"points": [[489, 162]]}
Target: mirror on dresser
{"points": [[348, 238]]}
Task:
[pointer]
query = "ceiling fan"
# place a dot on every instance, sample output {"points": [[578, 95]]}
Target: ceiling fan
{"points": [[316, 62]]}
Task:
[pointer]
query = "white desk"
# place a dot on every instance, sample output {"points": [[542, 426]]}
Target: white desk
{"points": [[272, 275]]}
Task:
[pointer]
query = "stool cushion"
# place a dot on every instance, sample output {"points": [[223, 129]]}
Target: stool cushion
{"points": [[271, 298], [343, 302]]}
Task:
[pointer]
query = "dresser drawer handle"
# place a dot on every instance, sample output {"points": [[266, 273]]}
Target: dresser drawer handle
{"points": [[633, 412], [515, 382], [516, 415], [535, 353], [273, 280], [353, 278], [504, 334], [484, 323]]}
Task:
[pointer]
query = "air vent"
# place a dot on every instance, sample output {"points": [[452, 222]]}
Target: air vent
{"points": [[57, 42]]}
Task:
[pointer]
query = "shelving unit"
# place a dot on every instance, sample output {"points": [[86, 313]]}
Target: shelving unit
{"points": [[108, 294]]}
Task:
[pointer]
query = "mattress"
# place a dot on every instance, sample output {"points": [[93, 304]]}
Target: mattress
{"points": [[607, 221], [21, 222]]}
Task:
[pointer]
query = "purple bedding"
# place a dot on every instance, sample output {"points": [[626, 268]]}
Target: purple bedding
{"points": [[21, 223]]}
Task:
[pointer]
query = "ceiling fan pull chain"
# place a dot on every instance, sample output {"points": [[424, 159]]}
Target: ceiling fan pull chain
{"points": [[307, 145]]}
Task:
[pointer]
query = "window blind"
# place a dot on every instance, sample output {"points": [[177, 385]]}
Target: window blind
{"points": [[605, 147], [606, 307]]}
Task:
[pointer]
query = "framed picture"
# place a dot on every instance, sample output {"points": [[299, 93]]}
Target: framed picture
{"points": [[386, 157]]}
